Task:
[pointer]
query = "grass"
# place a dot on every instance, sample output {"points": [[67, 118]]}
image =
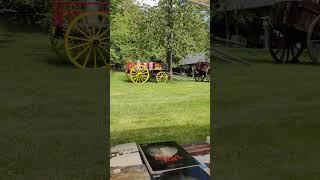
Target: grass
{"points": [[266, 124], [150, 112], [52, 114]]}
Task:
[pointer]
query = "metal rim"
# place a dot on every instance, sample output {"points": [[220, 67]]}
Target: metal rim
{"points": [[282, 49], [86, 43], [162, 77], [313, 40], [139, 74]]}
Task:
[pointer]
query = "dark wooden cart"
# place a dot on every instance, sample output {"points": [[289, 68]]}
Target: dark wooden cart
{"points": [[201, 71], [295, 27]]}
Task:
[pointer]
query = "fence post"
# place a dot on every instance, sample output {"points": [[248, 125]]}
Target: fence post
{"points": [[266, 25]]}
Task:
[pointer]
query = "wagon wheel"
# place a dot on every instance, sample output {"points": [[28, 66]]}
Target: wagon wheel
{"points": [[57, 43], [162, 77], [284, 49], [313, 40], [139, 74], [87, 40], [198, 76], [208, 74]]}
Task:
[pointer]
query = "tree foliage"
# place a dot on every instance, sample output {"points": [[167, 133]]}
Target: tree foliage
{"points": [[146, 33], [29, 11]]}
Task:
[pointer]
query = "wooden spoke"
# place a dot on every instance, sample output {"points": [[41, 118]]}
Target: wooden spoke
{"points": [[102, 34], [80, 45], [87, 58], [95, 57], [78, 38], [101, 25], [86, 25], [83, 51], [100, 53], [83, 33]]}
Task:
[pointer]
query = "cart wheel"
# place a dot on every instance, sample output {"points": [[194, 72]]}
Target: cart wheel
{"points": [[284, 49], [87, 40], [162, 77], [198, 76], [139, 74], [57, 43], [208, 74], [313, 40]]}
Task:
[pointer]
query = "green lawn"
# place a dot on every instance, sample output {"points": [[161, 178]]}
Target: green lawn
{"points": [[52, 115], [150, 112], [267, 119]]}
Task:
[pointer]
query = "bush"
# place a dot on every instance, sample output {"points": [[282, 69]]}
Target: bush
{"points": [[29, 11]]}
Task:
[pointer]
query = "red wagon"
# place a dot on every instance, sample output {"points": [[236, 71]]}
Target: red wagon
{"points": [[80, 32], [140, 72], [295, 27]]}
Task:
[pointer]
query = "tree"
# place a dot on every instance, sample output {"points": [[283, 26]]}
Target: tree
{"points": [[167, 32]]}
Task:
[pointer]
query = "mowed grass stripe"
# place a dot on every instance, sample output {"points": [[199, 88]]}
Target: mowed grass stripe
{"points": [[177, 110]]}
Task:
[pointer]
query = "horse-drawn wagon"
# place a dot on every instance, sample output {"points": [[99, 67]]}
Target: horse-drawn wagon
{"points": [[80, 32], [140, 72], [295, 27]]}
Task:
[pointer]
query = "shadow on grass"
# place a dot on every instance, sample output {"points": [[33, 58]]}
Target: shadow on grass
{"points": [[182, 134], [55, 60]]}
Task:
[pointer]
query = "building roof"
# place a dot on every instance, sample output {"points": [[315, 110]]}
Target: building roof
{"points": [[230, 5], [201, 2], [194, 58]]}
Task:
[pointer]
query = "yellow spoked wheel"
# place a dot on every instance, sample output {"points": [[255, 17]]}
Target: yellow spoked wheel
{"points": [[162, 77], [57, 42], [87, 40], [139, 74]]}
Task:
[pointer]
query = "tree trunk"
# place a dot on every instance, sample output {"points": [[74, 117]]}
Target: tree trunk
{"points": [[169, 61], [170, 39]]}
